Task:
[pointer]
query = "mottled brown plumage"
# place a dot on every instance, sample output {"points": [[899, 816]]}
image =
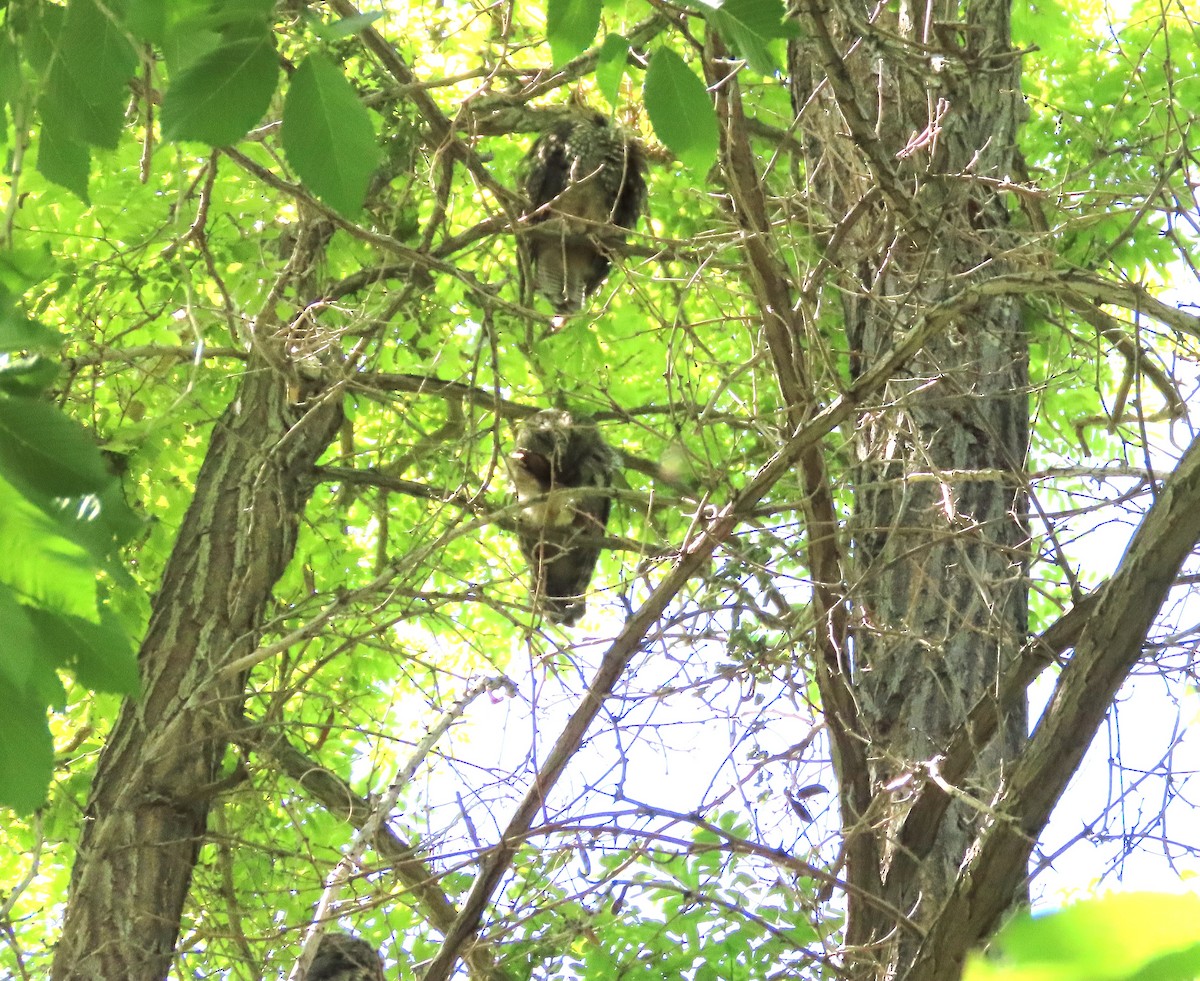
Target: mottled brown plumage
{"points": [[341, 957], [584, 178], [561, 470]]}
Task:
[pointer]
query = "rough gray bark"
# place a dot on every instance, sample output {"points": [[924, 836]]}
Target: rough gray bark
{"points": [[148, 810], [1109, 642], [902, 140]]}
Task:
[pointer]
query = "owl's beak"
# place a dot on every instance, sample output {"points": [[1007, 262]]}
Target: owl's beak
{"points": [[534, 464]]}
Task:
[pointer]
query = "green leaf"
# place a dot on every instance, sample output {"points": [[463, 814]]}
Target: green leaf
{"points": [[10, 70], [571, 27], [40, 38], [749, 27], [100, 522], [19, 653], [223, 94], [233, 12], [1179, 965], [19, 333], [328, 136], [26, 751], [27, 376], [21, 268], [87, 87], [63, 160], [99, 654], [147, 19], [40, 563], [186, 44], [1125, 937], [610, 66], [680, 110], [347, 26], [40, 448]]}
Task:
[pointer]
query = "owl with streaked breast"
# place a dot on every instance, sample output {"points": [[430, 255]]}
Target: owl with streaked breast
{"points": [[589, 178], [341, 957], [562, 471]]}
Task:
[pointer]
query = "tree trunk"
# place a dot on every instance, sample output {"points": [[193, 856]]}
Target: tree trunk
{"points": [[939, 548], [148, 810]]}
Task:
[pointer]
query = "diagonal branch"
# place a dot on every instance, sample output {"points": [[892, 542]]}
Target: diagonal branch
{"points": [[339, 798], [920, 828], [774, 288], [371, 828], [1129, 296], [693, 557], [1109, 645]]}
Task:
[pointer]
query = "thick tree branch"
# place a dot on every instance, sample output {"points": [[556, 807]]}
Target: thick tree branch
{"points": [[1129, 296], [145, 820], [919, 832], [694, 556], [145, 825], [1109, 645]]}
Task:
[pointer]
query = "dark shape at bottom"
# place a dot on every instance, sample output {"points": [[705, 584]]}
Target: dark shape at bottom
{"points": [[341, 957]]}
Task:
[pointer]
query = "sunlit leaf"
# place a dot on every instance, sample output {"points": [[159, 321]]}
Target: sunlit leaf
{"points": [[328, 135], [63, 160], [43, 449], [680, 110], [10, 70], [749, 27], [1123, 937], [39, 563], [26, 751], [19, 333], [87, 88], [23, 267], [19, 653], [611, 65], [571, 27], [27, 376], [99, 654], [225, 93]]}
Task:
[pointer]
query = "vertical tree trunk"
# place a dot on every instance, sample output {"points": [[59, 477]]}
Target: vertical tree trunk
{"points": [[913, 123], [148, 810]]}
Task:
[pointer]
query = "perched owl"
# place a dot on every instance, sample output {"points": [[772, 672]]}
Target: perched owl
{"points": [[341, 957], [561, 471], [588, 177]]}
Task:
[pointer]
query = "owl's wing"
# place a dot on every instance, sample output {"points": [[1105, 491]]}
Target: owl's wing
{"points": [[581, 174], [562, 559]]}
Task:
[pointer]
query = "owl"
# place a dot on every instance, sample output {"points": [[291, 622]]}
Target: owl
{"points": [[561, 471], [586, 174], [341, 957]]}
